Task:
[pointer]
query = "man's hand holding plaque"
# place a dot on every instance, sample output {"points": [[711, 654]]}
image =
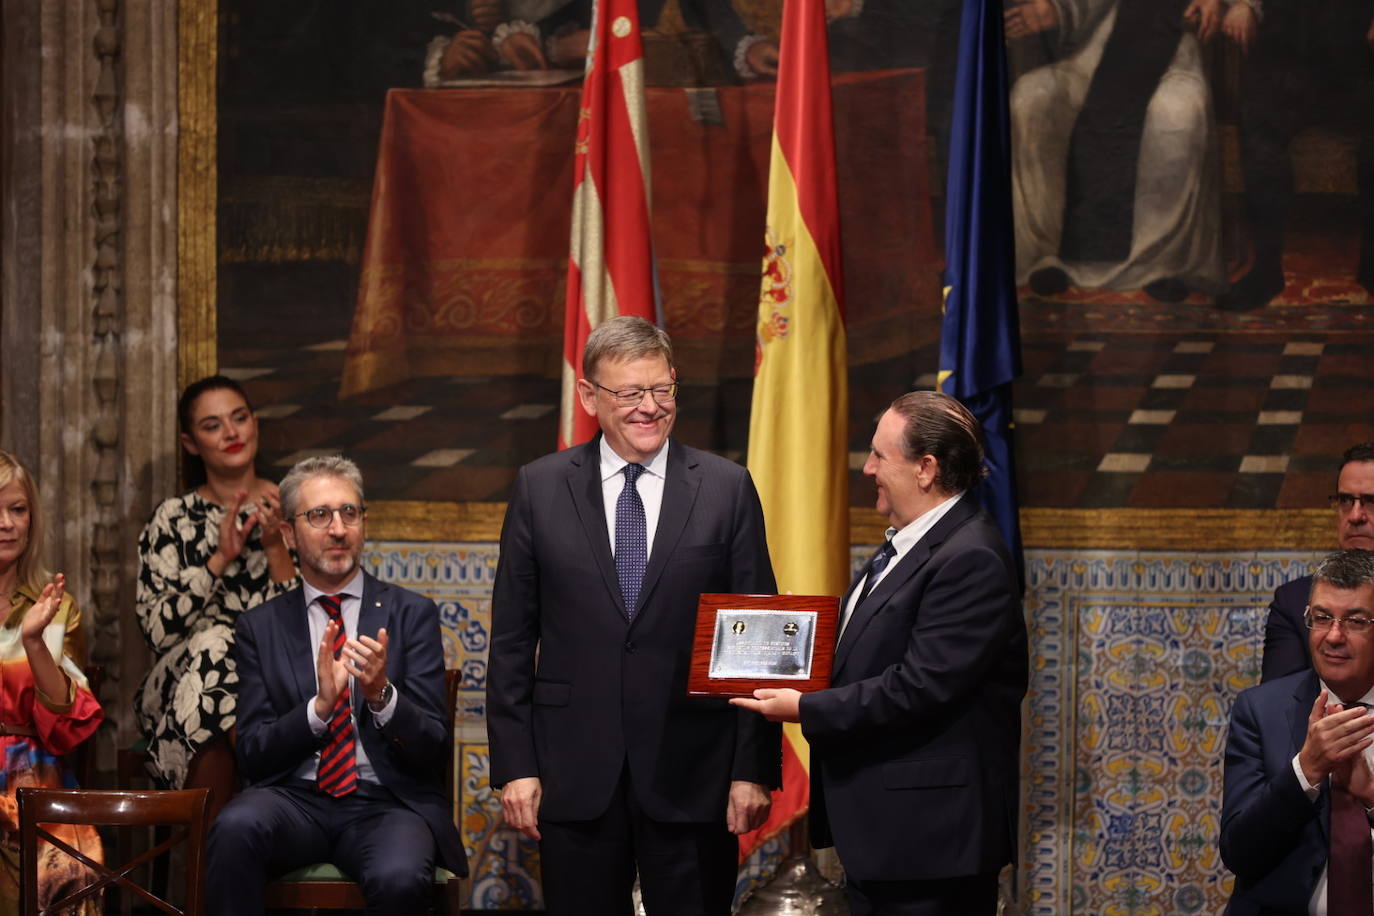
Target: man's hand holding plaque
{"points": [[747, 642]]}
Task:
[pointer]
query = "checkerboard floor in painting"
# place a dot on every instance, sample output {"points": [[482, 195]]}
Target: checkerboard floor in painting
{"points": [[1198, 420], [1224, 419]]}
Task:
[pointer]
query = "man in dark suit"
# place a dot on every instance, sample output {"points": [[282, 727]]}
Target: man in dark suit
{"points": [[597, 749], [341, 720], [914, 746], [1285, 635], [1293, 822]]}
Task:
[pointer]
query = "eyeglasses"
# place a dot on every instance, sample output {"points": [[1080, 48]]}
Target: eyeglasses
{"points": [[323, 516], [630, 397], [1344, 502], [1355, 624]]}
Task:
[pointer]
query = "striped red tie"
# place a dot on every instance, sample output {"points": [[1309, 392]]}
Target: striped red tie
{"points": [[338, 771]]}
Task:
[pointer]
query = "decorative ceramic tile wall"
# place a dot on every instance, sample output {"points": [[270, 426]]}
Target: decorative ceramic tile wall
{"points": [[1135, 661]]}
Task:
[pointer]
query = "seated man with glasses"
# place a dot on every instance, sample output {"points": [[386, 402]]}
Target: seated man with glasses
{"points": [[1285, 636], [1295, 826], [341, 720]]}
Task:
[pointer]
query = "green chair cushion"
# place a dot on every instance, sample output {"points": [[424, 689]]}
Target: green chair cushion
{"points": [[323, 871]]}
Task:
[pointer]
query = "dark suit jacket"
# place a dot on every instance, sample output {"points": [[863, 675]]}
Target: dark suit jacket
{"points": [[1272, 837], [276, 667], [914, 748], [575, 689], [1286, 649]]}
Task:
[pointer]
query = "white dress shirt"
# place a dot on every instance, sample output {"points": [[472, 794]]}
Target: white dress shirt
{"points": [[902, 542], [350, 603], [1317, 905], [649, 485]]}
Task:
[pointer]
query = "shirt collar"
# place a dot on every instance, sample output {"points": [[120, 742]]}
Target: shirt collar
{"points": [[1367, 699], [353, 589], [612, 464], [904, 540]]}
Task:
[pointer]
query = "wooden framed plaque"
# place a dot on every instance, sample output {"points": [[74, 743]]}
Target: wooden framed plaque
{"points": [[744, 642]]}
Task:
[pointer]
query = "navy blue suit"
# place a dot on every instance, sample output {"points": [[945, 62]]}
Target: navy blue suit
{"points": [[1272, 837], [276, 668], [592, 698], [1286, 649], [915, 746]]}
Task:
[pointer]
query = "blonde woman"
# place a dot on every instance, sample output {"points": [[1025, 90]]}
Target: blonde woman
{"points": [[46, 708]]}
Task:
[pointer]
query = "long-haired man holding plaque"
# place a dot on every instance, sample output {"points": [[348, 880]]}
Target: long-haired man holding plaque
{"points": [[914, 746]]}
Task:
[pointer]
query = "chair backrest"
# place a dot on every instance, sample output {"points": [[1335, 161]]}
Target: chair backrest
{"points": [[185, 810]]}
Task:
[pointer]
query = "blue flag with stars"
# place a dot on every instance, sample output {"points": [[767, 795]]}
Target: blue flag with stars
{"points": [[980, 339]]}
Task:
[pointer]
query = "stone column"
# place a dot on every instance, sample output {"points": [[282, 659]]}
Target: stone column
{"points": [[88, 278]]}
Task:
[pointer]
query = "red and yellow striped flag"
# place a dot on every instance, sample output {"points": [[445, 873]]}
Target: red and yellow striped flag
{"points": [[798, 427], [611, 257]]}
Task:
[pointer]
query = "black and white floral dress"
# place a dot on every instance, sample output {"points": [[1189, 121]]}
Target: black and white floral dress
{"points": [[187, 615]]}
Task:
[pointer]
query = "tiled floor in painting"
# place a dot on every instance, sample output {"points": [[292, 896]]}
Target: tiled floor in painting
{"points": [[1105, 418]]}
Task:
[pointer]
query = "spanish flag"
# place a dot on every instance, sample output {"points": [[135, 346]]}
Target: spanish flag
{"points": [[798, 429], [611, 257]]}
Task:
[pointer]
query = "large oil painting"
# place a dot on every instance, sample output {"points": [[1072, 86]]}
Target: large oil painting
{"points": [[1191, 195]]}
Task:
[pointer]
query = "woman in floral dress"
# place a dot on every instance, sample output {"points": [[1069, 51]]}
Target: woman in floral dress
{"points": [[46, 708], [206, 556]]}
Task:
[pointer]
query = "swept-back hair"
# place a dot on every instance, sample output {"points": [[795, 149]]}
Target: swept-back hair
{"points": [[938, 425], [193, 466]]}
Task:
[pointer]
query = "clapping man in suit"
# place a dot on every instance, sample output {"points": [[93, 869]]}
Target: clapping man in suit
{"points": [[341, 720], [1294, 827], [915, 745], [1285, 633], [597, 749]]}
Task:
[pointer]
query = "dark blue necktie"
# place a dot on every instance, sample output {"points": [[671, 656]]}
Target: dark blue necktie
{"points": [[881, 558], [631, 539]]}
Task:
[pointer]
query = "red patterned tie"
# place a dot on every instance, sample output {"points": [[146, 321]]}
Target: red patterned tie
{"points": [[338, 772], [1349, 882]]}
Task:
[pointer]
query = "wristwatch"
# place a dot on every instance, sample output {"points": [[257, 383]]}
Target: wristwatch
{"points": [[383, 698]]}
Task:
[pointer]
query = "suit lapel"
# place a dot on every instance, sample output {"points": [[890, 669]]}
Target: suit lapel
{"points": [[300, 653], [1298, 711], [584, 485], [907, 567], [373, 614], [681, 481]]}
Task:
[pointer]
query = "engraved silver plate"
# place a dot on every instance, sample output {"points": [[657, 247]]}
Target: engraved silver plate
{"points": [[762, 644]]}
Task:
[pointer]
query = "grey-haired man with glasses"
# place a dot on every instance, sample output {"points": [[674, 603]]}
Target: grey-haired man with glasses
{"points": [[596, 748], [342, 727], [1285, 635], [1298, 791]]}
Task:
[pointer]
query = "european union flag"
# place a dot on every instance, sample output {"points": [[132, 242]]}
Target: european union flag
{"points": [[980, 340]]}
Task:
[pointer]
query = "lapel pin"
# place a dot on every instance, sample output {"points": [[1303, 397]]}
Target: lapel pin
{"points": [[379, 604]]}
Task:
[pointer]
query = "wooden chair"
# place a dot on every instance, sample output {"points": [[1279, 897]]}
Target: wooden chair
{"points": [[323, 887], [185, 810], [131, 768]]}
